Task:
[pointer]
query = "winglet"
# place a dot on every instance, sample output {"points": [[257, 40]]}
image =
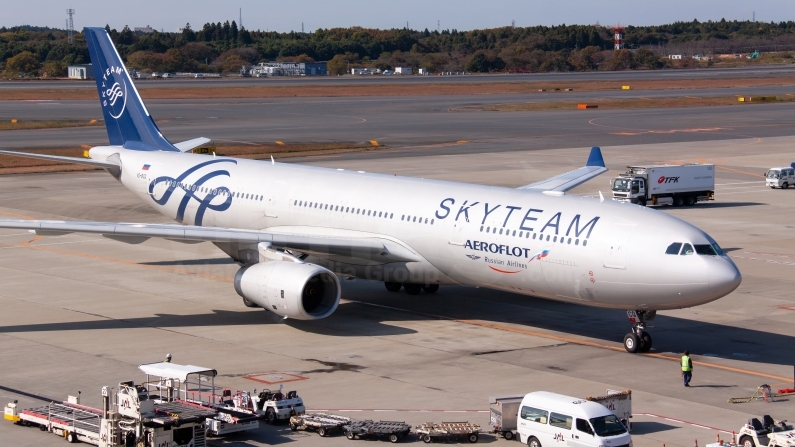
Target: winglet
{"points": [[595, 158]]}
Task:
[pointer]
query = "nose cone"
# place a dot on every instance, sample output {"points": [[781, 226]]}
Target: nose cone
{"points": [[724, 277]]}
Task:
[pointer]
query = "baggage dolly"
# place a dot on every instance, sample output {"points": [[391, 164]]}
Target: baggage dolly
{"points": [[392, 430], [324, 424], [448, 431]]}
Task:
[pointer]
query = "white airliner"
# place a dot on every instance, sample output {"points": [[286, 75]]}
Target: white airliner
{"points": [[295, 228]]}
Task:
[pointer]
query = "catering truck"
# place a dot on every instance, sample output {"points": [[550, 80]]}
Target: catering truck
{"points": [[677, 185]]}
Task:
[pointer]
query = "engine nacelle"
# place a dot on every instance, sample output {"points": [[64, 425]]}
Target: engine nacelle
{"points": [[289, 289]]}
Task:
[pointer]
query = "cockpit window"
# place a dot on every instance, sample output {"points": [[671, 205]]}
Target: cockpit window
{"points": [[673, 249], [705, 249], [621, 184], [717, 248], [687, 249]]}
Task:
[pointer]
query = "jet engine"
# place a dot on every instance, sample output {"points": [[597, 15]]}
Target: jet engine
{"points": [[289, 289]]}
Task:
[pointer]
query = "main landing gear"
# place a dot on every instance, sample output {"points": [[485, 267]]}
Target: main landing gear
{"points": [[639, 340]]}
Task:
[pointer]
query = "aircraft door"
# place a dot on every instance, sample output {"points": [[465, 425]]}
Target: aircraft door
{"points": [[456, 234], [621, 235]]}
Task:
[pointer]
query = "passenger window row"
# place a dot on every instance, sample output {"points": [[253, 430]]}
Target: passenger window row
{"points": [[217, 192], [526, 235], [685, 249], [343, 209]]}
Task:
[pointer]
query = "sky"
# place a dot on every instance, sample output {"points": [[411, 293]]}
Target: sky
{"points": [[288, 15]]}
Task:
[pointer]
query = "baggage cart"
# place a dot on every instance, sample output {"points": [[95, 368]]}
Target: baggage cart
{"points": [[504, 414], [448, 431], [394, 431], [322, 423]]}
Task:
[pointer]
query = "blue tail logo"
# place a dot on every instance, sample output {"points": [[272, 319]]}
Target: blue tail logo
{"points": [[126, 118]]}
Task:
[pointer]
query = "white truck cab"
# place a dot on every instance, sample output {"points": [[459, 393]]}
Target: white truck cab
{"points": [[548, 419], [783, 177]]}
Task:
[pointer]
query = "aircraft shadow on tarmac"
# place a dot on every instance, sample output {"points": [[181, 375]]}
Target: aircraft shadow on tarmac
{"points": [[721, 205], [208, 261], [671, 334], [347, 321]]}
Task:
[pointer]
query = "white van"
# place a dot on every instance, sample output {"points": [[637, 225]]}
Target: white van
{"points": [[780, 177], [549, 419]]}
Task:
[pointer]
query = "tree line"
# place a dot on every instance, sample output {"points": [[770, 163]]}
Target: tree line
{"points": [[225, 47]]}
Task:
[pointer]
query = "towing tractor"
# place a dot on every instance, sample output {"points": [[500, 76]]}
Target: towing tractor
{"points": [[767, 433], [677, 185]]}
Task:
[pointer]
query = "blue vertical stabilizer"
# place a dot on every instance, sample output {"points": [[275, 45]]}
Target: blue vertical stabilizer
{"points": [[126, 118]]}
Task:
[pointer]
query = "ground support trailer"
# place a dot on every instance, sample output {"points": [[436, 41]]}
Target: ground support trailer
{"points": [[504, 414], [128, 418], [324, 424], [619, 402], [394, 431], [448, 431]]}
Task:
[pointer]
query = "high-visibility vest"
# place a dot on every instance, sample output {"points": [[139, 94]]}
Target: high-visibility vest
{"points": [[687, 366]]}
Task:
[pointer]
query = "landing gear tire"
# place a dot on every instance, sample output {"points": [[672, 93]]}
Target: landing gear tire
{"points": [[432, 288], [631, 343], [678, 201], [645, 342], [393, 286], [270, 416], [412, 289], [249, 303], [747, 441]]}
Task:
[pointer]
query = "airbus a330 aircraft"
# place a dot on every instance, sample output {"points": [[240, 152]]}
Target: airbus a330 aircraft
{"points": [[295, 228]]}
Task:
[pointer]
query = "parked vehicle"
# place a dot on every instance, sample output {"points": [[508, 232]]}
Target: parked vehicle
{"points": [[677, 185], [324, 424], [767, 433], [783, 177], [548, 418], [447, 432], [167, 75]]}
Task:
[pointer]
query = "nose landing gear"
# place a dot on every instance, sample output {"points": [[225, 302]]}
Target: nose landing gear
{"points": [[639, 340]]}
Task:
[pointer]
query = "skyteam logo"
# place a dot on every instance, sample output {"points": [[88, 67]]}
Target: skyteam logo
{"points": [[216, 199], [114, 91]]}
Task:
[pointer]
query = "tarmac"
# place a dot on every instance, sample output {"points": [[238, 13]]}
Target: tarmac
{"points": [[80, 312]]}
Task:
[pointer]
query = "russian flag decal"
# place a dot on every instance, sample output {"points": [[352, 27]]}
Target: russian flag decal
{"points": [[145, 168]]}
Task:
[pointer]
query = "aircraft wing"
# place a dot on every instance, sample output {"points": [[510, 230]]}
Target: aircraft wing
{"points": [[83, 161], [374, 248], [566, 181]]}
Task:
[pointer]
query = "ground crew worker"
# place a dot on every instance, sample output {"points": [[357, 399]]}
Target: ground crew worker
{"points": [[168, 358], [687, 368]]}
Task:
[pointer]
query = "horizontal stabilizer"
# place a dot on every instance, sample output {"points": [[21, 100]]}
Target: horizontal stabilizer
{"points": [[568, 180], [185, 146]]}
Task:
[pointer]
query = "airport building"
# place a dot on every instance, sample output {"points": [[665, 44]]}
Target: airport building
{"points": [[286, 69], [81, 71]]}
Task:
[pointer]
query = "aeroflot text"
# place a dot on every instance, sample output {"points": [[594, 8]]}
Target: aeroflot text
{"points": [[525, 219], [519, 252]]}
